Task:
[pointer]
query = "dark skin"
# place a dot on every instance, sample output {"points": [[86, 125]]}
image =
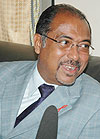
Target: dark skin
{"points": [[56, 65]]}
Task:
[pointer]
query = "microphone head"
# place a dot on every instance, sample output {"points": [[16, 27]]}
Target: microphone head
{"points": [[49, 124]]}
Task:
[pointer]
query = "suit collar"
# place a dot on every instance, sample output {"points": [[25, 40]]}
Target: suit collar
{"points": [[75, 90], [59, 98]]}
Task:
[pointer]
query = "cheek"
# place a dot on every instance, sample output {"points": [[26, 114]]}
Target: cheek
{"points": [[50, 57], [84, 60], [54, 54], [58, 55], [53, 59]]}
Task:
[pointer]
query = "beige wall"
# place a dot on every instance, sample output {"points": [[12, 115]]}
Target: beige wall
{"points": [[44, 4], [91, 8]]}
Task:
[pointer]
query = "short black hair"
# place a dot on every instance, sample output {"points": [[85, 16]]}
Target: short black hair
{"points": [[43, 24]]}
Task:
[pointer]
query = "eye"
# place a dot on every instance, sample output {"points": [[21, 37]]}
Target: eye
{"points": [[63, 42], [84, 46]]}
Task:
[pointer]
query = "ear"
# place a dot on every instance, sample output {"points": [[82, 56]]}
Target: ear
{"points": [[37, 43]]}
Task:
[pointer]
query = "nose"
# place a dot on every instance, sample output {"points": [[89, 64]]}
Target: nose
{"points": [[73, 53]]}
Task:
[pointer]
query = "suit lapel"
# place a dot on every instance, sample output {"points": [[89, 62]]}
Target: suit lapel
{"points": [[13, 92], [11, 103], [57, 98]]}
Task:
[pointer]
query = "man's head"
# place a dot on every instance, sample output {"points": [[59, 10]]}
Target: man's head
{"points": [[62, 38]]}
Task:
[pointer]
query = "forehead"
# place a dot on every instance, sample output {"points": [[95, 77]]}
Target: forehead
{"points": [[68, 23]]}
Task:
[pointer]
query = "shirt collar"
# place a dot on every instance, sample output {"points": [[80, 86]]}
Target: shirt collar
{"points": [[37, 80]]}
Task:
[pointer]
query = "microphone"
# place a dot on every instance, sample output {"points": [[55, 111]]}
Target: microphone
{"points": [[49, 124]]}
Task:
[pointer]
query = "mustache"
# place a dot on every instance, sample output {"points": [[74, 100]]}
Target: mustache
{"points": [[71, 62]]}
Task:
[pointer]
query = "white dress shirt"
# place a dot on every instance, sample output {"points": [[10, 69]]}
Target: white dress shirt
{"points": [[32, 93]]}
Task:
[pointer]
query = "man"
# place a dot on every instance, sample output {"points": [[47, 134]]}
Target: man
{"points": [[63, 43]]}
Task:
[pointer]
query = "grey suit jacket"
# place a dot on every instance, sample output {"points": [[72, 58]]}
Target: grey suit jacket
{"points": [[79, 105]]}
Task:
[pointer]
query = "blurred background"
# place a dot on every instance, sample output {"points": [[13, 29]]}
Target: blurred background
{"points": [[18, 19]]}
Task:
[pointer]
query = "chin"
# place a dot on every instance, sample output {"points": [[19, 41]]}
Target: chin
{"points": [[68, 78], [66, 82]]}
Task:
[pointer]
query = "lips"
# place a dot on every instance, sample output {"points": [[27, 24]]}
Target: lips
{"points": [[69, 69]]}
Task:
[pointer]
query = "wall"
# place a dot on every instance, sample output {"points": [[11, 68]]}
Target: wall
{"points": [[91, 8], [44, 4]]}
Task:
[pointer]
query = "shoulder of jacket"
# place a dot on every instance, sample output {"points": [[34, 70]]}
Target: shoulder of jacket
{"points": [[10, 69]]}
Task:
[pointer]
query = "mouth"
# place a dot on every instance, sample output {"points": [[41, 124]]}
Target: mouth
{"points": [[70, 68]]}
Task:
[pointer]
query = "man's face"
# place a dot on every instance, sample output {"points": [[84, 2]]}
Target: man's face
{"points": [[59, 65]]}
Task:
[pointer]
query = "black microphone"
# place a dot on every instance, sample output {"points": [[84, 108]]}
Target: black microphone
{"points": [[49, 124]]}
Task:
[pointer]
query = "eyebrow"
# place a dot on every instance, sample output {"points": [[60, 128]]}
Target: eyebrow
{"points": [[64, 36], [86, 40]]}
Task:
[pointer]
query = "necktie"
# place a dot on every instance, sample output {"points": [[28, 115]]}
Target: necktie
{"points": [[45, 91]]}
